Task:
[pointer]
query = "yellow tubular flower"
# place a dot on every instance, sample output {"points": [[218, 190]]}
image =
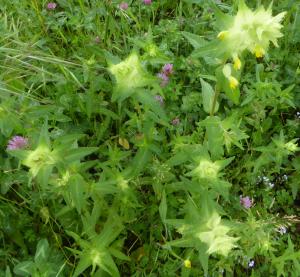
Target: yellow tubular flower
{"points": [[233, 82], [237, 63], [259, 51], [187, 263], [222, 35]]}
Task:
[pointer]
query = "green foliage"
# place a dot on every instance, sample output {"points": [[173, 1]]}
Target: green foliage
{"points": [[157, 140]]}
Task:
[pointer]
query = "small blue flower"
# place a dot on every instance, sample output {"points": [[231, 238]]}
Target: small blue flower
{"points": [[282, 230], [251, 263]]}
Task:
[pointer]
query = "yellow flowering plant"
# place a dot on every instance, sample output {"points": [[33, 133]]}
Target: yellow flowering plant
{"points": [[252, 31], [248, 31], [129, 75]]}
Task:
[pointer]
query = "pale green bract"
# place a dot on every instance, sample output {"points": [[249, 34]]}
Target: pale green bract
{"points": [[39, 158], [216, 236], [129, 73], [252, 31], [206, 169]]}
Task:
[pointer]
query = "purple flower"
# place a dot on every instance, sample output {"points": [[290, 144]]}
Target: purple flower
{"points": [[159, 99], [167, 69], [51, 6], [147, 2], [246, 202], [17, 142], [164, 78], [123, 6], [164, 74], [175, 121]]}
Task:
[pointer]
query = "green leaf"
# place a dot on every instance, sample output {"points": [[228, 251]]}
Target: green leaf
{"points": [[215, 138], [44, 136], [232, 133], [67, 140], [118, 254], [107, 263], [209, 49], [289, 254], [194, 1], [195, 40], [77, 190], [111, 230], [140, 160], [75, 155], [44, 174], [42, 251], [203, 257], [208, 95], [223, 21], [7, 272], [181, 243], [163, 207], [24, 268], [106, 187], [84, 263], [148, 100]]}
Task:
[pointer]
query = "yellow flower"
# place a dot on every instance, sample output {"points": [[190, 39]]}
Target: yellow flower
{"points": [[259, 51], [233, 82], [222, 35], [252, 30], [237, 63], [187, 263]]}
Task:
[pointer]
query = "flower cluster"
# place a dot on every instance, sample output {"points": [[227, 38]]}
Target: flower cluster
{"points": [[246, 202], [17, 142], [51, 6], [252, 31], [266, 181], [165, 73], [123, 6]]}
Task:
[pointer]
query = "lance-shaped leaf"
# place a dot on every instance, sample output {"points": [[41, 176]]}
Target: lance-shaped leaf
{"points": [[208, 96]]}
